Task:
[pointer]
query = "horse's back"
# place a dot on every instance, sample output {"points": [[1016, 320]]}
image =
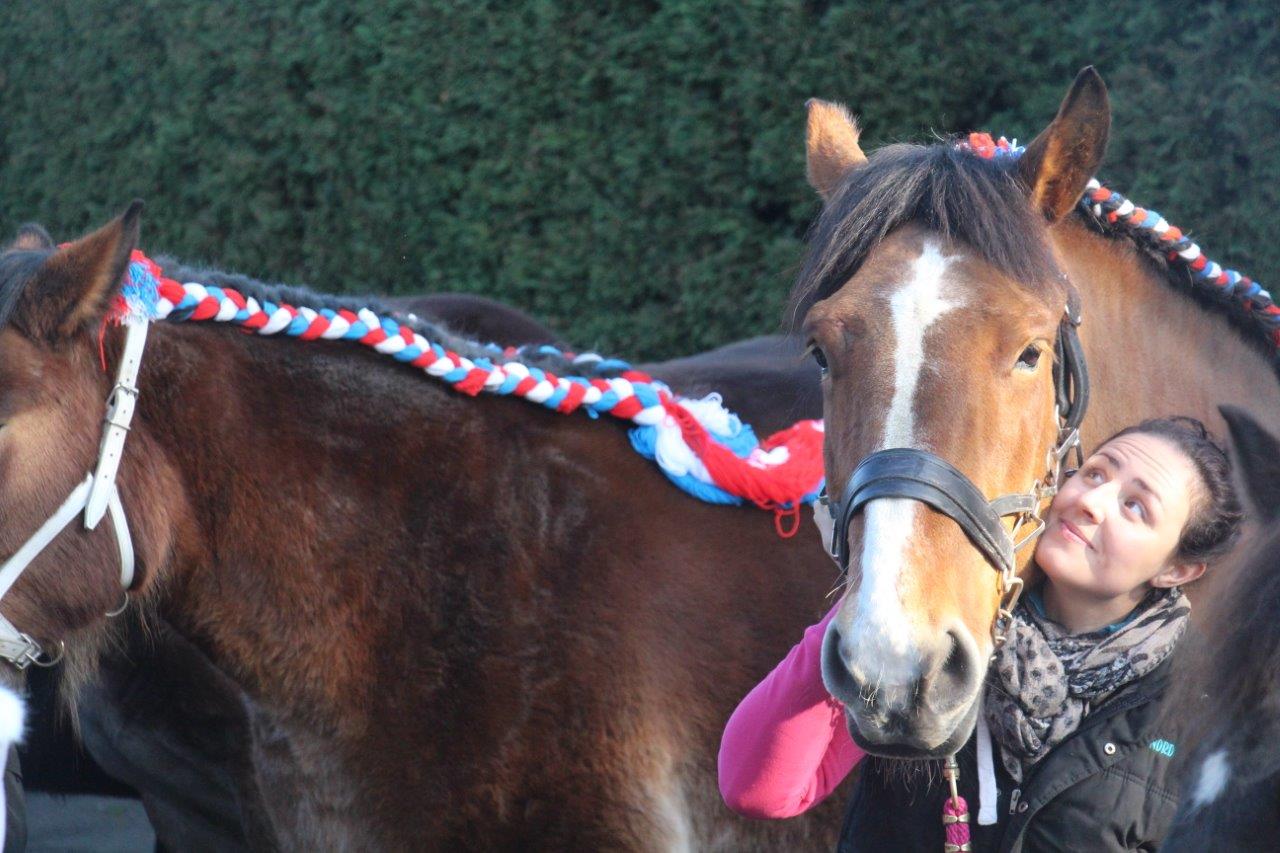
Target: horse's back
{"points": [[765, 380], [477, 317], [609, 595]]}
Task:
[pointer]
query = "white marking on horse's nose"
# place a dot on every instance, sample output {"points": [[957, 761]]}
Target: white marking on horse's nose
{"points": [[881, 644], [882, 647]]}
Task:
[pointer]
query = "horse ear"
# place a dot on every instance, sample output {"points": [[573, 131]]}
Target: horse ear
{"points": [[79, 281], [1257, 457], [831, 139], [31, 238], [1060, 161]]}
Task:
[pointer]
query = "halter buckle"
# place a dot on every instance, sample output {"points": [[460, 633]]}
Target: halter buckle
{"points": [[1010, 592], [1027, 538], [30, 654]]}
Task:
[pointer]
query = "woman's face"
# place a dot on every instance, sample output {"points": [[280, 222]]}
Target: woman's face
{"points": [[1113, 527]]}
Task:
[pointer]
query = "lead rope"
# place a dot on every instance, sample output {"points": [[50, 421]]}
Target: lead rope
{"points": [[955, 811]]}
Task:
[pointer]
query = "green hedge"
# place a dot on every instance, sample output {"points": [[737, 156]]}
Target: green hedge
{"points": [[631, 172]]}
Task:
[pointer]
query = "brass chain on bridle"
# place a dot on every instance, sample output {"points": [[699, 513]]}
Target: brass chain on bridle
{"points": [[1028, 526]]}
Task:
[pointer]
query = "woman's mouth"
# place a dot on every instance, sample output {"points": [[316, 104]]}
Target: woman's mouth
{"points": [[1073, 534]]}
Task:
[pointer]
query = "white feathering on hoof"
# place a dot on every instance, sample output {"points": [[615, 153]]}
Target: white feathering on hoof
{"points": [[13, 717]]}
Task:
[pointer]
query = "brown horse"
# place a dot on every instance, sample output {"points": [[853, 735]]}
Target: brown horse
{"points": [[163, 719], [933, 293], [458, 623]]}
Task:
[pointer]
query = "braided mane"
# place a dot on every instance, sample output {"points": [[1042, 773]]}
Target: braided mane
{"points": [[1247, 314], [965, 189], [543, 357]]}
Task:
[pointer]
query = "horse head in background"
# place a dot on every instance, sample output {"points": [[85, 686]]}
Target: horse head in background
{"points": [[1228, 700], [941, 297]]}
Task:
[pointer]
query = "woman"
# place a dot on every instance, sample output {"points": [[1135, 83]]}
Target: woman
{"points": [[1071, 703]]}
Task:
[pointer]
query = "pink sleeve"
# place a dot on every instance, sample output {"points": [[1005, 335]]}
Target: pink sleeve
{"points": [[786, 746]]}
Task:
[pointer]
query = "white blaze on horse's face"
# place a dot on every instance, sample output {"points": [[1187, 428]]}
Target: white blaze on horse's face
{"points": [[879, 643], [971, 316], [919, 369]]}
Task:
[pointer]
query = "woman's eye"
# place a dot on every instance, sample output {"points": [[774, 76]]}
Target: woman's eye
{"points": [[1135, 507], [1093, 475], [820, 357], [1030, 358]]}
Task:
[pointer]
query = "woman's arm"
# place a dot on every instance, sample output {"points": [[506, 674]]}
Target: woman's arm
{"points": [[786, 747]]}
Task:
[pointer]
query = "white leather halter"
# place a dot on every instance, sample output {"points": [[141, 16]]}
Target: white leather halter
{"points": [[95, 495]]}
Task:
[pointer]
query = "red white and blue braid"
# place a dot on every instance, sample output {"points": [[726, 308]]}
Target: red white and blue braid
{"points": [[702, 447], [1152, 230]]}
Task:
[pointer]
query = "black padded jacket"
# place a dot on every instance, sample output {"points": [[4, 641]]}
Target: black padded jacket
{"points": [[1108, 786]]}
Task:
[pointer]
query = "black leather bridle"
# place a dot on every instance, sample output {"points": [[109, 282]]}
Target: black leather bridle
{"points": [[905, 472]]}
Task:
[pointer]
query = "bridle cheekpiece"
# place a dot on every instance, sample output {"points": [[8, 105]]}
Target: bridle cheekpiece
{"points": [[96, 495]]}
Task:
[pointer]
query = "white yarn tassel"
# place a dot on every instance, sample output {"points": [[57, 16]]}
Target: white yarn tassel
{"points": [[12, 722]]}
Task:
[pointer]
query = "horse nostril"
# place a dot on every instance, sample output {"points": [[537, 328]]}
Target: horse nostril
{"points": [[836, 673], [956, 665]]}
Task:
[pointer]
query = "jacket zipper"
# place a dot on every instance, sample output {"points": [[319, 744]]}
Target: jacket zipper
{"points": [[1013, 800]]}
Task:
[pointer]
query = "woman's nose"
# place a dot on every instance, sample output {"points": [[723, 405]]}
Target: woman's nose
{"points": [[1094, 501]]}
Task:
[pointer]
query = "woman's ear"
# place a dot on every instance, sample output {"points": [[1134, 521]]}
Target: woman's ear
{"points": [[1177, 574]]}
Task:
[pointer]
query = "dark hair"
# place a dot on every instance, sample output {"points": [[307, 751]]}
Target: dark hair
{"points": [[964, 198], [1214, 525]]}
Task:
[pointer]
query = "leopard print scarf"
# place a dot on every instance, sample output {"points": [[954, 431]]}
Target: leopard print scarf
{"points": [[1044, 681]]}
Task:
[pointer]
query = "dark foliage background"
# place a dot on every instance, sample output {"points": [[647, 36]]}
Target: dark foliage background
{"points": [[631, 172]]}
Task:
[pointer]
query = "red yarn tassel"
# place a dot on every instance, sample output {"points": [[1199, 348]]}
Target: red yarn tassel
{"points": [[768, 488], [955, 811], [955, 824]]}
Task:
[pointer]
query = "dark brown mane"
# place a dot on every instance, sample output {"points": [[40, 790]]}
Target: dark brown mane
{"points": [[1238, 673], [962, 197], [979, 203]]}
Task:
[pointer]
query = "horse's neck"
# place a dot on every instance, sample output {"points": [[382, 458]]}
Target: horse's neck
{"points": [[1154, 352], [293, 460], [332, 500]]}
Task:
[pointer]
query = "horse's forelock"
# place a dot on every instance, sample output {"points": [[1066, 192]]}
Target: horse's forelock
{"points": [[963, 198]]}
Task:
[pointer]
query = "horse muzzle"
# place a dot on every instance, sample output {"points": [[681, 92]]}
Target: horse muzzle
{"points": [[924, 707]]}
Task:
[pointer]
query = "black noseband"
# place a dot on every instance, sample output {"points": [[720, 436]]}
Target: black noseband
{"points": [[903, 472]]}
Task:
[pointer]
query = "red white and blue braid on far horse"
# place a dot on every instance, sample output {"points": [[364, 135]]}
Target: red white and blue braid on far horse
{"points": [[699, 445], [1152, 230]]}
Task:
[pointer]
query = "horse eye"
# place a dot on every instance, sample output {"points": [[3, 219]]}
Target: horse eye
{"points": [[1030, 357], [820, 357]]}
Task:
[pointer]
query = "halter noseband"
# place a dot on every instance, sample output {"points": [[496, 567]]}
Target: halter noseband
{"points": [[914, 474], [96, 495]]}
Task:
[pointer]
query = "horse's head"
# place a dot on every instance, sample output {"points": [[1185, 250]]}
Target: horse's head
{"points": [[933, 301], [54, 303], [1226, 707]]}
